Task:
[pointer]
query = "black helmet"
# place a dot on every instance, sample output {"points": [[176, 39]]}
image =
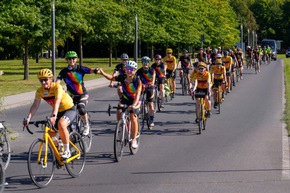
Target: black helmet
{"points": [[124, 56]]}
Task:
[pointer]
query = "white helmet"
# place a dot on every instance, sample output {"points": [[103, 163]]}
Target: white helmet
{"points": [[132, 64]]}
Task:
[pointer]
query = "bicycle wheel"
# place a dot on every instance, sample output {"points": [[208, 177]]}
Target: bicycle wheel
{"points": [[155, 100], [76, 166], [203, 117], [41, 173], [2, 177], [86, 138], [183, 85], [134, 150], [119, 140], [5, 151], [219, 99], [200, 123]]}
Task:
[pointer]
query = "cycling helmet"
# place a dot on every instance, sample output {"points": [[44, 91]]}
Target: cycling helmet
{"points": [[201, 64], [195, 64], [218, 55], [158, 57], [185, 51], [218, 61], [169, 50], [226, 53], [124, 56], [132, 64], [44, 73], [145, 60], [215, 50], [71, 54]]}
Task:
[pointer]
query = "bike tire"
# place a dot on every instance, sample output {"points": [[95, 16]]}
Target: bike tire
{"points": [[2, 177], [5, 150], [41, 174], [86, 138], [219, 101], [135, 150], [119, 140], [203, 117], [200, 119], [76, 166]]}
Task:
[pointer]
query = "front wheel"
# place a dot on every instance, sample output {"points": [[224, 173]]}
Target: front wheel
{"points": [[5, 151], [87, 138], [77, 146], [119, 140], [41, 163]]}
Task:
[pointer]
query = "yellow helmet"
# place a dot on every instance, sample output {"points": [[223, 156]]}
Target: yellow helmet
{"points": [[201, 64], [44, 73], [218, 61], [169, 50]]}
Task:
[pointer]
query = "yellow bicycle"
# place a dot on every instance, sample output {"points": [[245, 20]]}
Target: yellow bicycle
{"points": [[44, 155], [170, 86], [200, 111]]}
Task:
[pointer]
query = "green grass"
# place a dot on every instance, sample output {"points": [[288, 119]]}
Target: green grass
{"points": [[11, 82], [286, 117]]}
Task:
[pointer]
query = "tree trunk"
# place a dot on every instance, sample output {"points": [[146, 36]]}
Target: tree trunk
{"points": [[81, 47], [111, 54], [26, 65]]}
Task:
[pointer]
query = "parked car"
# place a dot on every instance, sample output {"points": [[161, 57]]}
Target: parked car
{"points": [[288, 53]]}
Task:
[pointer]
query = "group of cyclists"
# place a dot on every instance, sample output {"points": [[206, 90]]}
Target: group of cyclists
{"points": [[205, 72]]}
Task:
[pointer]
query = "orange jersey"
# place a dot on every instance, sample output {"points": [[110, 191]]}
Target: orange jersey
{"points": [[218, 72], [227, 61], [202, 79], [170, 62]]}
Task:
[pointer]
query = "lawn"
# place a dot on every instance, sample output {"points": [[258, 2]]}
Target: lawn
{"points": [[11, 82]]}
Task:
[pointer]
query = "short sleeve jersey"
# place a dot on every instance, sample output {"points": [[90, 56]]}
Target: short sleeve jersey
{"points": [[74, 79], [170, 62], [54, 92], [146, 76], [129, 89], [202, 79], [227, 61], [185, 61], [159, 69], [120, 68], [218, 72], [201, 57]]}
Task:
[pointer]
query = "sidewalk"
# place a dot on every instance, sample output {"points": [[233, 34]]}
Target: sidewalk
{"points": [[27, 98]]}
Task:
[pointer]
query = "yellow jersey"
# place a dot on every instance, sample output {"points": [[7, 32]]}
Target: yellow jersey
{"points": [[55, 91], [202, 79], [170, 62], [227, 62], [218, 72]]}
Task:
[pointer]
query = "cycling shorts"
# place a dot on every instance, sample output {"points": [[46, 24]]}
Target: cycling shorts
{"points": [[68, 115], [202, 90], [81, 99], [228, 73], [159, 81], [185, 70], [170, 73], [217, 83]]}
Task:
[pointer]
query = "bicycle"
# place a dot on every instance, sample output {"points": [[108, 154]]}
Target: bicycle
{"points": [[184, 83], [78, 126], [249, 62], [219, 97], [122, 136], [144, 112], [157, 99], [2, 177], [44, 156], [5, 151], [200, 111]]}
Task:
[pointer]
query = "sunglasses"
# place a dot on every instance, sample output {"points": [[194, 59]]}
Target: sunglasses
{"points": [[43, 79], [200, 68], [129, 69], [71, 58], [145, 63]]}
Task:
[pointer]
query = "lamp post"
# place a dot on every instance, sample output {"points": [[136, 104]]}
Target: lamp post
{"points": [[253, 35], [136, 39], [248, 37], [53, 37], [242, 36]]}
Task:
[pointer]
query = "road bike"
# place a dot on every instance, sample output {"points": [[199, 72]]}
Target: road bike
{"points": [[44, 155], [122, 136], [200, 111], [257, 65], [5, 151], [157, 99], [219, 96], [184, 83], [2, 177], [78, 125], [249, 62], [144, 112]]}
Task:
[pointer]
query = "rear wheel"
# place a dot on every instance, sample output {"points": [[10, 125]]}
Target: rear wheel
{"points": [[200, 123], [40, 172], [119, 140], [2, 177], [76, 166]]}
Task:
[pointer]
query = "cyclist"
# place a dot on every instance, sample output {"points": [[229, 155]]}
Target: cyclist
{"points": [[186, 65], [201, 56], [73, 76], [249, 55], [132, 87], [63, 111], [240, 61], [269, 52], [219, 76], [170, 67], [147, 75], [213, 56], [119, 70], [158, 66], [227, 61], [257, 58], [201, 82], [234, 66]]}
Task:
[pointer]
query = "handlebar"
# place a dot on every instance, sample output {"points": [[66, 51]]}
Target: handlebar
{"points": [[121, 106], [37, 123]]}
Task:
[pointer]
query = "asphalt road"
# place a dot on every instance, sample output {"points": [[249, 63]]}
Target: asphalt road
{"points": [[244, 149]]}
